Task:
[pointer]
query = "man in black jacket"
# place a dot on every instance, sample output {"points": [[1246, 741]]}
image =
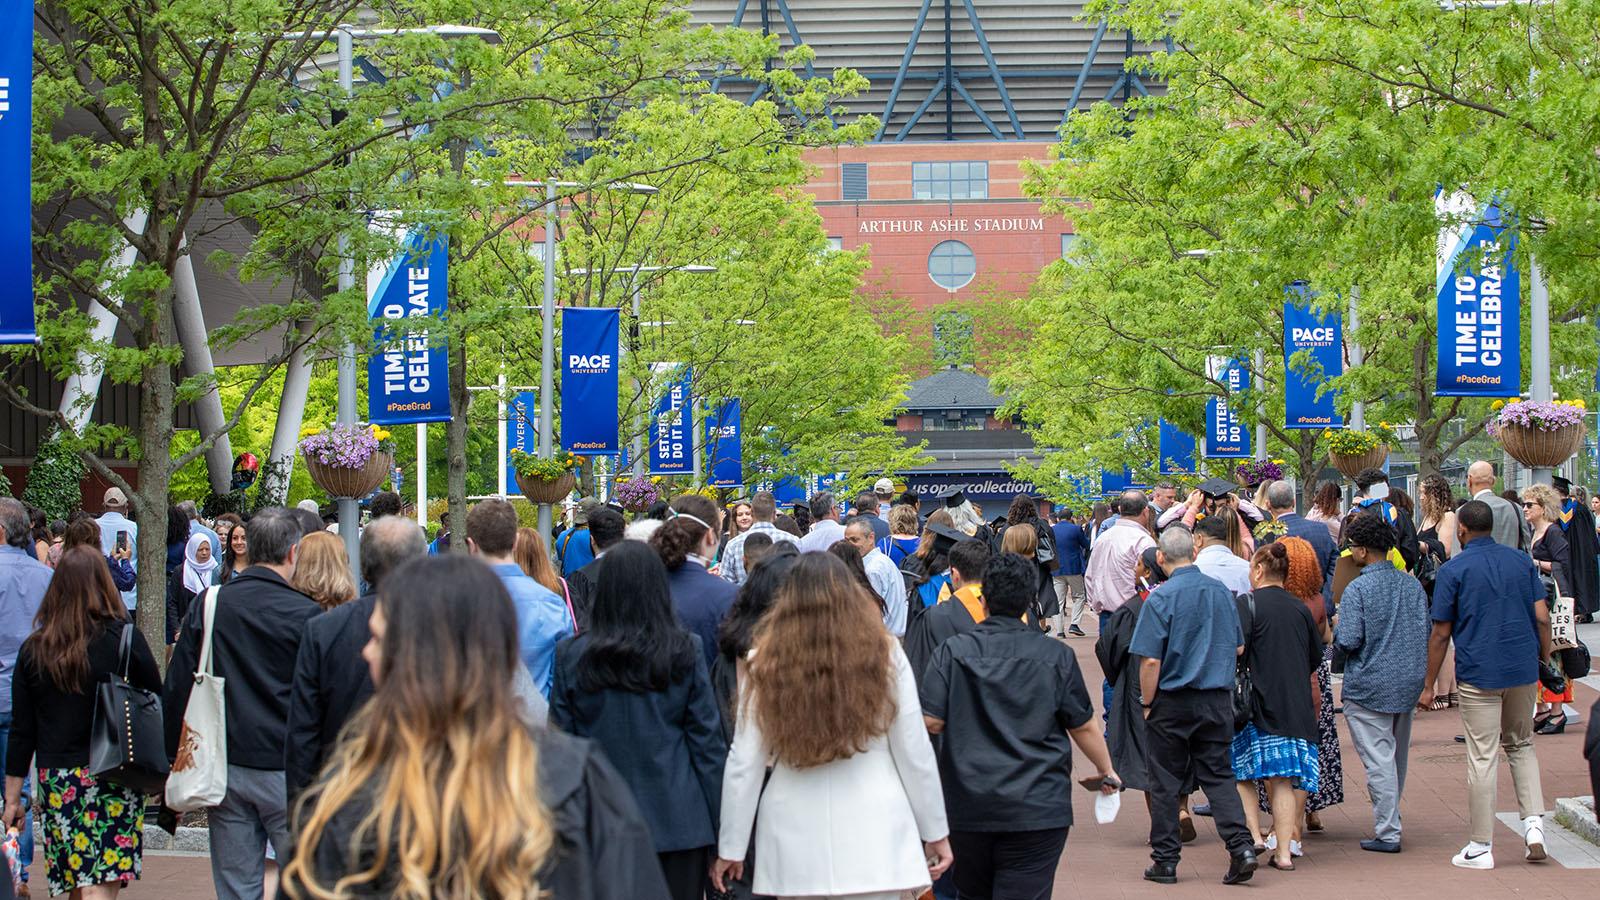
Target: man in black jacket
{"points": [[255, 636], [331, 679], [606, 526]]}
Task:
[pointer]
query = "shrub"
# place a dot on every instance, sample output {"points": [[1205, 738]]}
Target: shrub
{"points": [[55, 480]]}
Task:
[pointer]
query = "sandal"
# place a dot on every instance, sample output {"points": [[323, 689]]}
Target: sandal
{"points": [[1440, 701], [1282, 867], [1454, 698]]}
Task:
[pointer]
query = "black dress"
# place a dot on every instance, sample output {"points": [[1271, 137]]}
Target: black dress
{"points": [[1125, 730], [1552, 548]]}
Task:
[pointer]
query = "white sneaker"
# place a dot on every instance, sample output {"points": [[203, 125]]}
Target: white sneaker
{"points": [[1295, 850], [1473, 859], [1533, 836]]}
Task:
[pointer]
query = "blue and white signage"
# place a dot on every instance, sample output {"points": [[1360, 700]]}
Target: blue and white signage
{"points": [[1176, 449], [672, 428], [1305, 404], [589, 381], [1226, 436], [16, 150], [407, 378], [723, 428], [1480, 301], [522, 429]]}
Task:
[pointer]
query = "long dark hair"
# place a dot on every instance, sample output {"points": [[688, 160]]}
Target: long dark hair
{"points": [[81, 598], [755, 597], [851, 557], [635, 641], [177, 526], [1023, 509], [681, 534], [1327, 499]]}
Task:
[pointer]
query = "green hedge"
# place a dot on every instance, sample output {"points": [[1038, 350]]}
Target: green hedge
{"points": [[55, 480]]}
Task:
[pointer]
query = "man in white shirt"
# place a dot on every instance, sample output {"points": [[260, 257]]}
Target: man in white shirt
{"points": [[119, 533], [1216, 558], [825, 528], [1108, 580], [884, 574]]}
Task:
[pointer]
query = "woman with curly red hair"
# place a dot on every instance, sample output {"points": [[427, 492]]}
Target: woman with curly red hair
{"points": [[1305, 582]]}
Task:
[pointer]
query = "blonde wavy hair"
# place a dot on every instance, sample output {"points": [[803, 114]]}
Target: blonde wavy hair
{"points": [[441, 763], [821, 675], [322, 570], [1546, 497]]}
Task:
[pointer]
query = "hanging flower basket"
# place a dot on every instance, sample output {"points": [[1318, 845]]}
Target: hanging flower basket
{"points": [[1540, 435], [1350, 465], [546, 490], [347, 460]]}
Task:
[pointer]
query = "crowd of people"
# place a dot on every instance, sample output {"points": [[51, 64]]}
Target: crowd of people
{"points": [[852, 698]]}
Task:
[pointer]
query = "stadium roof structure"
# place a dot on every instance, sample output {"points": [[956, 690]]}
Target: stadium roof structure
{"points": [[951, 70]]}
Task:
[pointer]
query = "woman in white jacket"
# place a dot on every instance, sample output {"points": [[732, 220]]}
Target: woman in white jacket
{"points": [[853, 808]]}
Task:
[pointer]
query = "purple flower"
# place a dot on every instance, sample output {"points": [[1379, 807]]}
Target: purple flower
{"points": [[1542, 416], [342, 446], [636, 494]]}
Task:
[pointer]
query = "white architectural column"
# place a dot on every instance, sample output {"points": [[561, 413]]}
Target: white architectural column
{"points": [[83, 385], [291, 414], [190, 320]]}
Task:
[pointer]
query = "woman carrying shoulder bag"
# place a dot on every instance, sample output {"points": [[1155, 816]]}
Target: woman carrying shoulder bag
{"points": [[92, 826]]}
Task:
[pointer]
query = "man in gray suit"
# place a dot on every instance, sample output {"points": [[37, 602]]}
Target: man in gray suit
{"points": [[1509, 526], [1279, 500]]}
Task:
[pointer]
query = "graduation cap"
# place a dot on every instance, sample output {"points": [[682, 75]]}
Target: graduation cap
{"points": [[953, 497], [1561, 484], [945, 537], [1217, 487]]}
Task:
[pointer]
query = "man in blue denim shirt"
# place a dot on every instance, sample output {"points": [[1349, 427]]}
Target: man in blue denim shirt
{"points": [[1490, 600], [23, 580], [543, 617], [1383, 626]]}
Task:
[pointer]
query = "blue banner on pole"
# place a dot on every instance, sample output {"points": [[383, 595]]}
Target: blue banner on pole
{"points": [[1320, 336], [1480, 301], [1226, 436], [1114, 482], [589, 381], [16, 150], [671, 434], [1176, 449], [407, 379], [726, 450], [522, 429]]}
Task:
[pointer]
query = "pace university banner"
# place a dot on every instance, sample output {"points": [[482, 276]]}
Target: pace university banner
{"points": [[408, 380], [672, 428], [1226, 436], [1480, 301], [522, 429], [1176, 449], [16, 155], [589, 381], [1304, 330], [723, 428]]}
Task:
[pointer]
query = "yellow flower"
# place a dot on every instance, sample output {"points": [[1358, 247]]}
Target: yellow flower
{"points": [[1498, 404], [74, 862], [80, 841], [114, 808], [125, 863], [380, 433], [1580, 404], [55, 801], [109, 857]]}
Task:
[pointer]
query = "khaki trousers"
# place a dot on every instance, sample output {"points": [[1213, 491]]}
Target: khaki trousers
{"points": [[1493, 720]]}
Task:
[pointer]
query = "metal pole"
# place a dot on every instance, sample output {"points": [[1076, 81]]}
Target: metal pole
{"points": [[500, 473], [1358, 408], [547, 346], [1261, 405], [1539, 328], [694, 435], [349, 512], [422, 476], [638, 417]]}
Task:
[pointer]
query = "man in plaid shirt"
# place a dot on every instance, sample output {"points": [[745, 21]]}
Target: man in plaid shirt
{"points": [[763, 509]]}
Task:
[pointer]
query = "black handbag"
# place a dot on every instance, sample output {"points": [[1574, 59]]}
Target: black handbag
{"points": [[1244, 686], [126, 744], [1575, 662]]}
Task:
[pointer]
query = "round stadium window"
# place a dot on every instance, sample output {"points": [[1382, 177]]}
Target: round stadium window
{"points": [[951, 265]]}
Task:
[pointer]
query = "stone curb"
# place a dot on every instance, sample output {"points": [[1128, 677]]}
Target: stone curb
{"points": [[195, 840], [1576, 814]]}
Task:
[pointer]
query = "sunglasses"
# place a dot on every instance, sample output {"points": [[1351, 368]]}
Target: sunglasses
{"points": [[1528, 504]]}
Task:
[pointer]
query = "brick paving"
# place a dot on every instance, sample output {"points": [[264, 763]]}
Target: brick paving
{"points": [[1105, 862]]}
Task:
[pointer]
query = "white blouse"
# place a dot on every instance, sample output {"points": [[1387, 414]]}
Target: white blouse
{"points": [[852, 826]]}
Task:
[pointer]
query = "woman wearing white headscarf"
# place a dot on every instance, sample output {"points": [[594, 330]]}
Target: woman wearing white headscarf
{"points": [[198, 572]]}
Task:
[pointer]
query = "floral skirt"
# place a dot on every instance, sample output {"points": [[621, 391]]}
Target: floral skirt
{"points": [[92, 830], [1258, 755]]}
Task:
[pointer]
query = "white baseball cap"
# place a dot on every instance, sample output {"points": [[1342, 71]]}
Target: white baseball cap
{"points": [[883, 487]]}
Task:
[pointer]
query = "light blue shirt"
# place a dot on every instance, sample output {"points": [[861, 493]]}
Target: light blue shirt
{"points": [[23, 580], [542, 622], [823, 535], [111, 523], [1220, 563]]}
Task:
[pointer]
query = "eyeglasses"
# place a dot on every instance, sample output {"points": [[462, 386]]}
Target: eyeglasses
{"points": [[1528, 504]]}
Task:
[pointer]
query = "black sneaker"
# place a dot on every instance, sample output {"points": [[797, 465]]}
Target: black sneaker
{"points": [[1241, 868], [1075, 631], [1162, 873]]}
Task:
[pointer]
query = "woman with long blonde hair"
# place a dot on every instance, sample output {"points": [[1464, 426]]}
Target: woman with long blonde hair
{"points": [[853, 807], [534, 561], [322, 570], [440, 788]]}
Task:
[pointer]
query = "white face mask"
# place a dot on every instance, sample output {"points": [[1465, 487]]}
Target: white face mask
{"points": [[1379, 491]]}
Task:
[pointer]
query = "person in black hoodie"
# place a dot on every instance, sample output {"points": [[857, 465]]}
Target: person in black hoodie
{"points": [[255, 638], [445, 752]]}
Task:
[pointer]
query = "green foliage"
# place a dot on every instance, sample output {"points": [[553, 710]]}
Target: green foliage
{"points": [[55, 480]]}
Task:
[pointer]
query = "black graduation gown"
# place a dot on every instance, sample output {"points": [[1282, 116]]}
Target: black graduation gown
{"points": [[1583, 569], [1125, 730], [936, 624]]}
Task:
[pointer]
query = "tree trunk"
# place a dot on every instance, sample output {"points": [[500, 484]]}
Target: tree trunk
{"points": [[157, 398], [455, 432]]}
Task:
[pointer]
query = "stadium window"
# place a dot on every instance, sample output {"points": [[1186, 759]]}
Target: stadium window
{"points": [[853, 181], [952, 265], [950, 180], [1068, 241], [835, 244]]}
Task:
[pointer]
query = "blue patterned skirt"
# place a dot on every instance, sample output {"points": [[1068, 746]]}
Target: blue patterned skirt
{"points": [[1257, 755]]}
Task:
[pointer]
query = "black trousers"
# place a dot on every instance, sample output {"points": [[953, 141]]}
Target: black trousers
{"points": [[1006, 865], [1189, 736], [687, 872]]}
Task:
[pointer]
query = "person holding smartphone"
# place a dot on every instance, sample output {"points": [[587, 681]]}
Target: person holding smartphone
{"points": [[1007, 773]]}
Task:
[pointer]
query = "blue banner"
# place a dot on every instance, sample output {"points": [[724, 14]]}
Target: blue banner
{"points": [[1320, 336], [1115, 482], [672, 427], [522, 429], [16, 152], [408, 380], [1226, 436], [993, 491], [589, 381], [1176, 449], [1480, 301], [724, 445]]}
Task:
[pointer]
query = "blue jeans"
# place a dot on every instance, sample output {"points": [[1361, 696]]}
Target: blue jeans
{"points": [[25, 839], [1106, 690]]}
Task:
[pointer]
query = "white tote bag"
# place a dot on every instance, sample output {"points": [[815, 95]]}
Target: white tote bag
{"points": [[200, 773], [1563, 624]]}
